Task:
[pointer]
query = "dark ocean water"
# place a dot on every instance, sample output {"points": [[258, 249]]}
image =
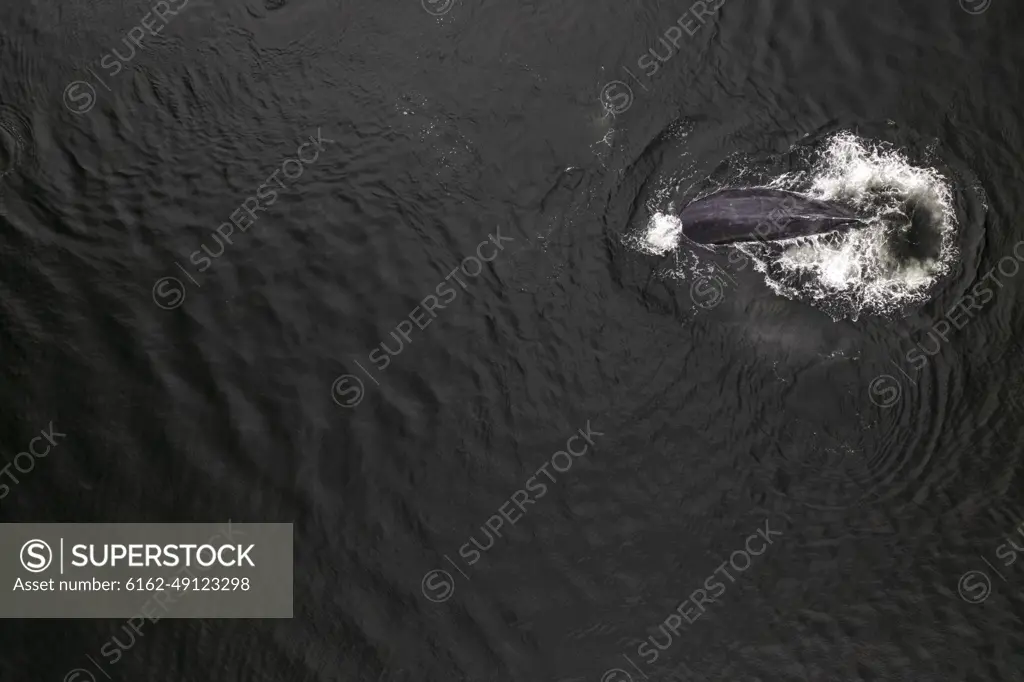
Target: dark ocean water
{"points": [[495, 163]]}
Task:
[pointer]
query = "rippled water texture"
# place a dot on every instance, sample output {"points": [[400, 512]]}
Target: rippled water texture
{"points": [[376, 270]]}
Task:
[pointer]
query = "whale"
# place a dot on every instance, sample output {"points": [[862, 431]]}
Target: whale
{"points": [[762, 214]]}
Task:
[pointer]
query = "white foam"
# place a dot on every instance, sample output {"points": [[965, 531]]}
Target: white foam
{"points": [[662, 235], [858, 270]]}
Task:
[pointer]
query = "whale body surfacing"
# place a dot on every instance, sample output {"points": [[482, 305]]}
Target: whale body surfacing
{"points": [[746, 215]]}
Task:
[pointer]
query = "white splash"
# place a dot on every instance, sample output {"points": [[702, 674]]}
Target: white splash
{"points": [[662, 235], [861, 270]]}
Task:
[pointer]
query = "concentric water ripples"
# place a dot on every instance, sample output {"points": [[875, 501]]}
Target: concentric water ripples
{"points": [[877, 457], [885, 453]]}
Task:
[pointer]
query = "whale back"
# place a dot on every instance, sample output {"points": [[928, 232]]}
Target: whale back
{"points": [[745, 215]]}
